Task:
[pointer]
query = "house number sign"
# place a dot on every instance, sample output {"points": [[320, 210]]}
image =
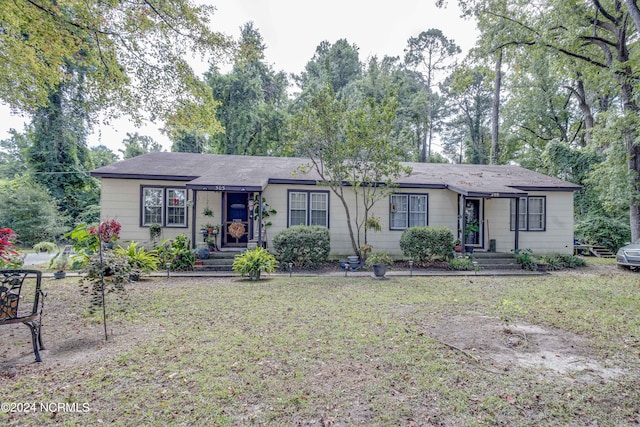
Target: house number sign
{"points": [[218, 188]]}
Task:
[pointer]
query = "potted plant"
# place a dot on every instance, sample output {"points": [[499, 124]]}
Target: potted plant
{"points": [[254, 262], [471, 228], [207, 211], [60, 263], [154, 231], [457, 245], [209, 227], [542, 264], [379, 261]]}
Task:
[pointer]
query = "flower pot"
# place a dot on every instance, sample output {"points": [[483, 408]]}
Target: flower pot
{"points": [[203, 253], [379, 270], [543, 267], [59, 274], [457, 248], [468, 249]]}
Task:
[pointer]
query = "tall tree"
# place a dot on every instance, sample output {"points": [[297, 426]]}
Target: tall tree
{"points": [[429, 54], [470, 93], [58, 156], [102, 156], [253, 101], [338, 64], [189, 142], [137, 145], [349, 143], [14, 155]]}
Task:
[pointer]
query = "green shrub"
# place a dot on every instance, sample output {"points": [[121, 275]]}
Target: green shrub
{"points": [[47, 247], [611, 233], [253, 262], [562, 261], [426, 244], [461, 263], [304, 246], [525, 258], [176, 252], [141, 260]]}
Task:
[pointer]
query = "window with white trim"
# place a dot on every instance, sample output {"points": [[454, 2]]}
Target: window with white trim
{"points": [[531, 213], [164, 206], [408, 210], [308, 208]]}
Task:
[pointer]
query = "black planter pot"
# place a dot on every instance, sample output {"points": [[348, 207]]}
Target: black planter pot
{"points": [[379, 270], [468, 249], [59, 274]]}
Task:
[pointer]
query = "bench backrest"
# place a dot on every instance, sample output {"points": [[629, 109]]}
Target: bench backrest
{"points": [[16, 287]]}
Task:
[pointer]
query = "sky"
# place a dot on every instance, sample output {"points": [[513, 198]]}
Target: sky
{"points": [[292, 29]]}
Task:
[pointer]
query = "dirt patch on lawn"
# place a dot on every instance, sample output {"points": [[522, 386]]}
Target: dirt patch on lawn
{"points": [[554, 352]]}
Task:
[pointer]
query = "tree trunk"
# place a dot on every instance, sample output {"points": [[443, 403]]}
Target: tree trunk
{"points": [[495, 115], [632, 6]]}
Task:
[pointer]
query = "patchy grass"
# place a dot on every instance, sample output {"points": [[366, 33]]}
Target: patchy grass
{"points": [[328, 351]]}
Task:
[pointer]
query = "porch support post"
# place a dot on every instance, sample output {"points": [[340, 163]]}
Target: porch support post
{"points": [[517, 224], [260, 219], [194, 194], [463, 220]]}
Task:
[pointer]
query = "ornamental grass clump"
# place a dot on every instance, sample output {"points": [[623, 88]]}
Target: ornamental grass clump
{"points": [[254, 262]]}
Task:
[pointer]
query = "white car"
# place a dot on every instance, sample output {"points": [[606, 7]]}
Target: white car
{"points": [[629, 255]]}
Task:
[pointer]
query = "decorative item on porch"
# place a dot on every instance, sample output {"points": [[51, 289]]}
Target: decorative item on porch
{"points": [[207, 211], [236, 230], [267, 211]]}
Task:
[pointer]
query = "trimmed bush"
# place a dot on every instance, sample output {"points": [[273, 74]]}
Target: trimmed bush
{"points": [[427, 244], [304, 246]]}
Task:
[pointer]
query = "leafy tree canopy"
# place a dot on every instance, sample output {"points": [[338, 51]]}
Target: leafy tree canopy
{"points": [[136, 145], [133, 52]]}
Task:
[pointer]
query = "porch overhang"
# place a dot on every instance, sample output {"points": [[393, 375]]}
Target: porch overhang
{"points": [[238, 183], [489, 193]]}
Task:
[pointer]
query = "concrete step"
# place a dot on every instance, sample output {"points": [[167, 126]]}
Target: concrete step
{"points": [[218, 261]]}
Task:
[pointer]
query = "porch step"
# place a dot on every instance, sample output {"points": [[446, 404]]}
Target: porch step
{"points": [[496, 261], [217, 261], [601, 252]]}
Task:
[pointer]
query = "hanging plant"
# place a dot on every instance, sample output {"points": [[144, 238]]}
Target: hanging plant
{"points": [[154, 231], [207, 211]]}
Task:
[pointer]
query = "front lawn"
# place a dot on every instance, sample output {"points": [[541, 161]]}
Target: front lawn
{"points": [[560, 349]]}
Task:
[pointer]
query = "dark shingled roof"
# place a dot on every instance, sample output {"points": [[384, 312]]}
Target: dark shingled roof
{"points": [[253, 173]]}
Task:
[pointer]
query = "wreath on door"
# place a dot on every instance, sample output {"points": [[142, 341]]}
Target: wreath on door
{"points": [[236, 229]]}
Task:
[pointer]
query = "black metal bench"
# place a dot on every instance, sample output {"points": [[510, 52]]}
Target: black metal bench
{"points": [[16, 289]]}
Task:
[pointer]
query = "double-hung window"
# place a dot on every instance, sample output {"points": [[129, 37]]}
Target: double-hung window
{"points": [[408, 210], [531, 213], [308, 208], [164, 206]]}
